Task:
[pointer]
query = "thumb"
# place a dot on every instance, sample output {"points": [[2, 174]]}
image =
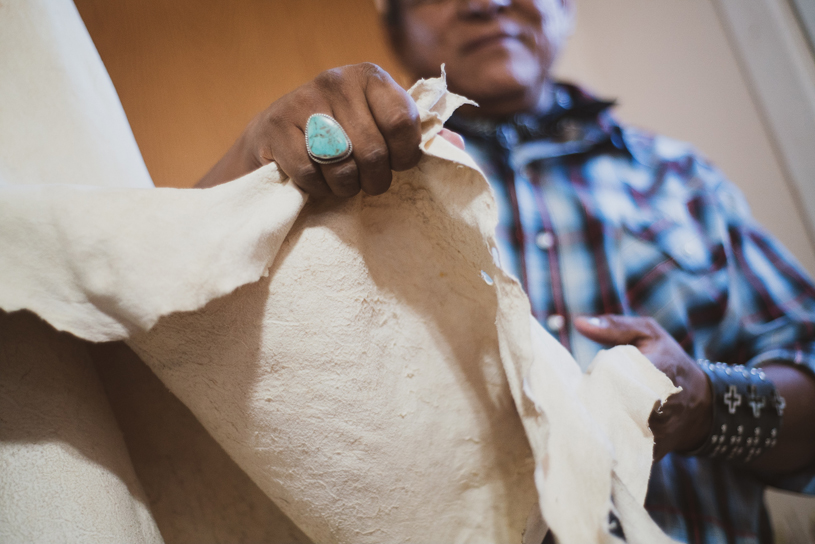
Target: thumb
{"points": [[452, 137], [612, 330]]}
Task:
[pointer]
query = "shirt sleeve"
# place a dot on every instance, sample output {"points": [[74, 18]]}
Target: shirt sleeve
{"points": [[771, 299], [769, 294]]}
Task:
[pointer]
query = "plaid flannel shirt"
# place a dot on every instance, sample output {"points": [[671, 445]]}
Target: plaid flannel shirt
{"points": [[599, 218]]}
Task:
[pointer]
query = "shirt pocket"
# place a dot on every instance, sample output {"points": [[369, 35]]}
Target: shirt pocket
{"points": [[662, 241]]}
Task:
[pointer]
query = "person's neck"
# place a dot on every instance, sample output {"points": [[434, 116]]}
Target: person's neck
{"points": [[503, 108]]}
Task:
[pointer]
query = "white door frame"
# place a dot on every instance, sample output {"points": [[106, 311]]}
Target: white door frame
{"points": [[778, 62]]}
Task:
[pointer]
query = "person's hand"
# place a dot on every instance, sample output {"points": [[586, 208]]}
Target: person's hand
{"points": [[685, 419], [380, 119]]}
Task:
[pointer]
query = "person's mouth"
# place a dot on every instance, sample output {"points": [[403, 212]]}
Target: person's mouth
{"points": [[498, 38]]}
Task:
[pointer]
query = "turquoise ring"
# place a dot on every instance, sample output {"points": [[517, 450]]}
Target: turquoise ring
{"points": [[326, 140]]}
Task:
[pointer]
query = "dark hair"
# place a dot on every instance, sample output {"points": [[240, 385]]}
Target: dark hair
{"points": [[393, 13]]}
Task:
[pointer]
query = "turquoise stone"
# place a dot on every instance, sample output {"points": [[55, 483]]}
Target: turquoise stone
{"points": [[325, 138]]}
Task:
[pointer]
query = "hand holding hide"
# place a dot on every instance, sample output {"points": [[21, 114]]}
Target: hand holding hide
{"points": [[378, 117], [684, 421]]}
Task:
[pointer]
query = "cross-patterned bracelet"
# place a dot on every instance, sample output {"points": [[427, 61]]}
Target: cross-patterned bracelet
{"points": [[747, 411]]}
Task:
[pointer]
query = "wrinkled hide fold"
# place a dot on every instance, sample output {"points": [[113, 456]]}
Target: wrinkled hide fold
{"points": [[349, 354]]}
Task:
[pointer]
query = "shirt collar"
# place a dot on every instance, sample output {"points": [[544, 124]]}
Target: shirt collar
{"points": [[576, 122]]}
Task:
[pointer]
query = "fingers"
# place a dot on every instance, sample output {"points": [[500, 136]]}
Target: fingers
{"points": [[371, 155], [684, 420], [378, 116], [382, 122], [396, 116], [617, 329], [284, 143], [290, 152]]}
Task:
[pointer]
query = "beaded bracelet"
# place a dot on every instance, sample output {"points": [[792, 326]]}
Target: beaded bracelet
{"points": [[747, 412]]}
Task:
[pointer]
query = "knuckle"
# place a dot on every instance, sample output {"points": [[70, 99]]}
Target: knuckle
{"points": [[373, 155], [631, 322], [369, 70], [329, 79], [346, 173], [612, 319], [312, 186], [344, 179], [404, 123], [276, 127], [275, 122], [307, 173], [266, 125]]}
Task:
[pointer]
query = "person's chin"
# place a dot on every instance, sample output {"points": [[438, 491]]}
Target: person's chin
{"points": [[501, 88]]}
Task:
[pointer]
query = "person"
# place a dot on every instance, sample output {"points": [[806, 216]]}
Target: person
{"points": [[618, 236]]}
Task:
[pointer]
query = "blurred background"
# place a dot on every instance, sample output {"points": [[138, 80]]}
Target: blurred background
{"points": [[734, 77]]}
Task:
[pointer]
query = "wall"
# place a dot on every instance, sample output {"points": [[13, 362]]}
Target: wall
{"points": [[673, 71], [191, 74]]}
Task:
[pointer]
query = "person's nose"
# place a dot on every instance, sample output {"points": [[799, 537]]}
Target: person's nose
{"points": [[483, 7]]}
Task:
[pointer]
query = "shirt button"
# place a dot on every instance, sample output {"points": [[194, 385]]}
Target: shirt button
{"points": [[563, 99], [555, 322], [545, 240], [507, 136], [617, 140], [689, 249]]}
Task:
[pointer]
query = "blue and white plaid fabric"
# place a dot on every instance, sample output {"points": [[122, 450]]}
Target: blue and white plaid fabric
{"points": [[597, 218]]}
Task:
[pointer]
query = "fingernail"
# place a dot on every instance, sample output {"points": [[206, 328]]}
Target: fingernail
{"points": [[599, 322]]}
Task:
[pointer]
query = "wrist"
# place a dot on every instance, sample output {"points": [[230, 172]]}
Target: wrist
{"points": [[746, 413], [701, 413]]}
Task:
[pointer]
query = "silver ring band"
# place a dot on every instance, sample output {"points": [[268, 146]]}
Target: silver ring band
{"points": [[326, 140]]}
